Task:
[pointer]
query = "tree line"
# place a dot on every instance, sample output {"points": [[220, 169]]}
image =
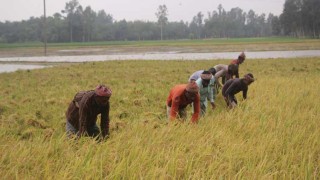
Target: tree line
{"points": [[300, 18]]}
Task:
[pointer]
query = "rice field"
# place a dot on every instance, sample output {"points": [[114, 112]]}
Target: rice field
{"points": [[274, 134]]}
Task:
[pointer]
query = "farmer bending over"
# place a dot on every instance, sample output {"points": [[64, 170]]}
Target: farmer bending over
{"points": [[206, 90], [83, 111], [233, 86], [225, 72], [239, 61], [179, 98], [196, 75]]}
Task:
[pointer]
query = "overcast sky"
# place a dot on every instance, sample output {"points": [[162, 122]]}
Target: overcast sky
{"points": [[16, 10]]}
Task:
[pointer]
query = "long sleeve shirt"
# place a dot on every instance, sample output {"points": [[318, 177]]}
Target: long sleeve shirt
{"points": [[83, 114], [177, 100], [206, 92], [234, 86], [196, 75]]}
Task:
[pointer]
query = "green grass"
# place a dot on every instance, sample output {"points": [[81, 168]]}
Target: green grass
{"points": [[274, 134], [181, 46], [217, 41]]}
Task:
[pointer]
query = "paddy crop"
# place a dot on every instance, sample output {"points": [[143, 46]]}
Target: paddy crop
{"points": [[274, 134]]}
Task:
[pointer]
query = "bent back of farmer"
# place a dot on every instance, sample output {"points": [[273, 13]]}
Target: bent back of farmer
{"points": [[83, 110], [196, 75], [238, 61], [179, 98], [206, 90], [225, 72], [234, 86]]}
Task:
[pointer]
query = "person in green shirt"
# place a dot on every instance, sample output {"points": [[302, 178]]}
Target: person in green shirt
{"points": [[206, 90]]}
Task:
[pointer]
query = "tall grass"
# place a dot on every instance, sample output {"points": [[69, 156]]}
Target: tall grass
{"points": [[274, 134]]}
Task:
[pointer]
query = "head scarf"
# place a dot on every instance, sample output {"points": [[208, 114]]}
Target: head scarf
{"points": [[102, 90], [192, 87]]}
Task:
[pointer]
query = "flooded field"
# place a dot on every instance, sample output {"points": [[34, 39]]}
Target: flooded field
{"points": [[166, 56], [11, 62]]}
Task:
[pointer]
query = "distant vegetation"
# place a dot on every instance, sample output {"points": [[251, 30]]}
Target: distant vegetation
{"points": [[180, 43], [274, 134], [82, 24]]}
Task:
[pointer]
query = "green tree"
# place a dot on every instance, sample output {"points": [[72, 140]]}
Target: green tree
{"points": [[103, 24], [310, 15], [274, 24], [216, 24], [235, 22], [162, 14], [70, 10], [121, 30], [251, 27], [177, 30], [78, 25], [291, 17], [57, 28], [89, 17], [197, 21]]}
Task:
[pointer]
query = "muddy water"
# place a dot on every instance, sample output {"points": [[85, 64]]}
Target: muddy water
{"points": [[153, 56]]}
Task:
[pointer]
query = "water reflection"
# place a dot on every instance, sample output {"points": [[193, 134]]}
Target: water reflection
{"points": [[146, 56]]}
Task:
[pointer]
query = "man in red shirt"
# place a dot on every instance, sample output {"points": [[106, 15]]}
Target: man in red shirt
{"points": [[239, 61], [180, 97]]}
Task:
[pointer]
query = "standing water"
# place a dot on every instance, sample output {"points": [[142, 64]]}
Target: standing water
{"points": [[151, 56]]}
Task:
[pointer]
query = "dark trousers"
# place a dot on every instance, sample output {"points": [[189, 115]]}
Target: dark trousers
{"points": [[230, 100]]}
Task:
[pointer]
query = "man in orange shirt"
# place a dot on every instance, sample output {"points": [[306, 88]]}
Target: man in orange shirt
{"points": [[179, 98]]}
